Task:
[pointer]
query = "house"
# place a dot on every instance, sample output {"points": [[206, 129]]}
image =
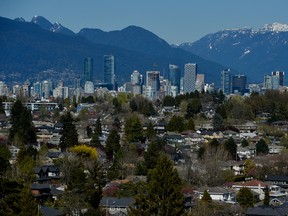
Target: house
{"points": [[277, 201], [116, 206], [281, 125], [217, 194], [47, 174], [193, 138], [48, 211], [209, 134], [247, 127], [258, 187], [14, 150], [279, 180], [236, 166], [281, 210], [247, 135], [172, 137], [275, 149], [246, 152], [41, 192]]}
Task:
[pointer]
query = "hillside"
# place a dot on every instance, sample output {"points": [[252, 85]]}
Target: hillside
{"points": [[252, 52], [27, 49]]}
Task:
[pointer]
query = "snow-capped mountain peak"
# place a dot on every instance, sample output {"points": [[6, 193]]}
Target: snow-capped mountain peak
{"points": [[275, 27]]}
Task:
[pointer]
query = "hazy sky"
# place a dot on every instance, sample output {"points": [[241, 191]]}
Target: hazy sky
{"points": [[175, 21]]}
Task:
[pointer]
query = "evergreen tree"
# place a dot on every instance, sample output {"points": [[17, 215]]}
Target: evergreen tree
{"points": [[4, 159], [190, 125], [150, 132], [206, 197], [133, 105], [69, 136], [2, 111], [98, 127], [176, 123], [27, 203], [168, 101], [22, 130], [262, 147], [150, 157], [95, 141], [76, 176], [193, 107], [89, 131], [231, 147], [112, 144], [217, 121], [267, 196], [244, 143], [133, 129], [95, 182], [245, 197], [162, 195]]}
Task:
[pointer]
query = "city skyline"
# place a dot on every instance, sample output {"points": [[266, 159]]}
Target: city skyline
{"points": [[165, 18]]}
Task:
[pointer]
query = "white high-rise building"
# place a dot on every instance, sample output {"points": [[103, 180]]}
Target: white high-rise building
{"points": [[190, 73], [136, 78], [89, 87], [3, 88]]}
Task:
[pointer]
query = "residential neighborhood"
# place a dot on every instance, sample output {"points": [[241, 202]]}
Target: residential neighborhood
{"points": [[114, 151]]}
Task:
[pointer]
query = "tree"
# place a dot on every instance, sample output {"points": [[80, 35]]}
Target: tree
{"points": [[118, 169], [112, 144], [76, 176], [133, 129], [163, 192], [262, 147], [217, 121], [249, 166], [245, 197], [116, 104], [231, 147], [168, 101], [190, 124], [22, 130], [95, 141], [95, 182], [244, 143], [150, 132], [267, 196], [27, 203], [85, 151], [25, 164], [176, 123], [193, 107], [69, 137], [2, 111], [206, 197], [150, 157], [4, 159], [98, 127], [89, 131]]}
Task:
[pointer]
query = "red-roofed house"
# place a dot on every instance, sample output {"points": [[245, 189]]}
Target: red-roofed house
{"points": [[256, 186]]}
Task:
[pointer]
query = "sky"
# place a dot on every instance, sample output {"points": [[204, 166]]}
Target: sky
{"points": [[174, 21]]}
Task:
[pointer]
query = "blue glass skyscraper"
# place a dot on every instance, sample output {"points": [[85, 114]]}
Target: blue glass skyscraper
{"points": [[174, 76], [88, 70], [109, 70]]}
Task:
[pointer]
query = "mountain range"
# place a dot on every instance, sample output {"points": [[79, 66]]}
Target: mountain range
{"points": [[252, 52], [30, 47], [27, 48]]}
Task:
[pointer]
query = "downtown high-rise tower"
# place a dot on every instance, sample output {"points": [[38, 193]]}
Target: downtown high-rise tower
{"points": [[109, 71], [190, 74]]}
